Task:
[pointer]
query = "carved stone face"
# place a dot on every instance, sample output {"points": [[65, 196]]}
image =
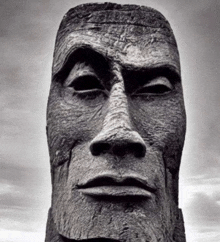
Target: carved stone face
{"points": [[116, 126]]}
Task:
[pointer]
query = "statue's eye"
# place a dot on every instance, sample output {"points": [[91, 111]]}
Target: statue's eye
{"points": [[88, 87], [157, 86], [87, 83], [83, 81]]}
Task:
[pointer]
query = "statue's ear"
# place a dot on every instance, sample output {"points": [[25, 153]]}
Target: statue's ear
{"points": [[179, 231]]}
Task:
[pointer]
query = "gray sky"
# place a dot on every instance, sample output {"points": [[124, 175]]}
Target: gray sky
{"points": [[27, 32]]}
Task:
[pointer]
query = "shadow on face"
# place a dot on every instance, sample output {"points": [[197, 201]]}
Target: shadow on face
{"points": [[92, 240]]}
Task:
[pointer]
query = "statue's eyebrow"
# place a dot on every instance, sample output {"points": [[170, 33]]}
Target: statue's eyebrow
{"points": [[151, 72], [99, 62], [102, 65], [140, 76]]}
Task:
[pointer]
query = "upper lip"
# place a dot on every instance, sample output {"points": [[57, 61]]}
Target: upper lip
{"points": [[114, 180]]}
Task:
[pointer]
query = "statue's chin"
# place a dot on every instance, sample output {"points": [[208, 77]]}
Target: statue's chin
{"points": [[87, 218]]}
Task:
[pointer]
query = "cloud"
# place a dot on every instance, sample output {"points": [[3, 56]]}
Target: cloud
{"points": [[21, 186], [24, 201], [202, 218], [21, 236], [204, 210]]}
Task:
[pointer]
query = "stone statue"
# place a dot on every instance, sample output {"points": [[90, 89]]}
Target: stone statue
{"points": [[115, 126]]}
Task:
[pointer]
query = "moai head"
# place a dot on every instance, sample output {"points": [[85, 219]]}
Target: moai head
{"points": [[115, 126]]}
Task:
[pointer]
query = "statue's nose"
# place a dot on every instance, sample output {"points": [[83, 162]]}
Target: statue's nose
{"points": [[117, 135]]}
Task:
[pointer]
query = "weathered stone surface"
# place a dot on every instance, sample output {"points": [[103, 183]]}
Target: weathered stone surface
{"points": [[115, 127]]}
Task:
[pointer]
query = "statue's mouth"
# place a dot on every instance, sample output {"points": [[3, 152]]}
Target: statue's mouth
{"points": [[108, 185]]}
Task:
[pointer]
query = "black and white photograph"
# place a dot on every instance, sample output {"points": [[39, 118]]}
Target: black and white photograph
{"points": [[109, 121]]}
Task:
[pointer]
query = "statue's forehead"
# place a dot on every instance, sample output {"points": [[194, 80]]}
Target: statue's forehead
{"points": [[114, 15], [130, 34], [140, 52]]}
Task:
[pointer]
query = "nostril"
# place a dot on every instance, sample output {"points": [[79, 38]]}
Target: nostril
{"points": [[138, 149], [97, 148], [135, 148]]}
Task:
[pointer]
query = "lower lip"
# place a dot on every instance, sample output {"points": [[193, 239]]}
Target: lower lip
{"points": [[116, 191]]}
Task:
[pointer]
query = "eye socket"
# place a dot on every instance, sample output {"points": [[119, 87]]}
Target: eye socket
{"points": [[86, 84], [157, 86]]}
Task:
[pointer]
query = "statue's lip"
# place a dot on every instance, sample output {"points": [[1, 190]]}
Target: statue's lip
{"points": [[118, 186]]}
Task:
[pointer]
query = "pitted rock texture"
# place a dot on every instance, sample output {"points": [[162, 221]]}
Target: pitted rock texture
{"points": [[115, 126]]}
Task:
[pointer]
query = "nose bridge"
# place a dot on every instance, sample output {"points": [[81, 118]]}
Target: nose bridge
{"points": [[117, 116], [117, 135]]}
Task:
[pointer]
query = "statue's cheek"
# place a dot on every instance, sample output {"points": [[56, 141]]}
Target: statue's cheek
{"points": [[160, 120], [71, 124]]}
